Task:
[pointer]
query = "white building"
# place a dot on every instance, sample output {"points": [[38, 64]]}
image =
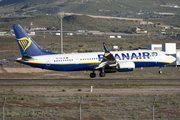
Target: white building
{"points": [[154, 47]]}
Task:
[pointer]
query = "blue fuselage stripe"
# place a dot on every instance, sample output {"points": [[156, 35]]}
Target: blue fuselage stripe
{"points": [[84, 66]]}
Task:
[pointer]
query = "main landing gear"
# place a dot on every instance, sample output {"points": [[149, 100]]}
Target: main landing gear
{"points": [[101, 74], [93, 75]]}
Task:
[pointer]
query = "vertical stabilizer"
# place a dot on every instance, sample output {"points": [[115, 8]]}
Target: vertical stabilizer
{"points": [[26, 44]]}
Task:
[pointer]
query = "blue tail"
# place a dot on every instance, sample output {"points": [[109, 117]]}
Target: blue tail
{"points": [[26, 44]]}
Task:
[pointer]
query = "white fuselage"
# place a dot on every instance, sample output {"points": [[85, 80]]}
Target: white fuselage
{"points": [[88, 61]]}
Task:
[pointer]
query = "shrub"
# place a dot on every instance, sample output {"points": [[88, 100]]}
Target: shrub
{"points": [[90, 108], [139, 95], [128, 86], [16, 97], [161, 115], [25, 98], [32, 114], [107, 100], [157, 105], [64, 90], [33, 95], [53, 95], [50, 115], [57, 108], [136, 116], [166, 95], [97, 99], [79, 90]]}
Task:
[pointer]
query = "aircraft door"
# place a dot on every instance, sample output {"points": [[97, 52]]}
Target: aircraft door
{"points": [[76, 60], [48, 63], [160, 56]]}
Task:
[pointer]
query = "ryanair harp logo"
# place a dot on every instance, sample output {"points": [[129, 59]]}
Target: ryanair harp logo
{"points": [[24, 42]]}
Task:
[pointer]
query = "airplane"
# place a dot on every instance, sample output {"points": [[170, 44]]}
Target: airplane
{"points": [[105, 62]]}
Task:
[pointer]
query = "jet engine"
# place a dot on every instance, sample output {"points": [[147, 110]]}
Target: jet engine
{"points": [[125, 66]]}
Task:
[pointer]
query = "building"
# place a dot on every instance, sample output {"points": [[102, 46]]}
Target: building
{"points": [[154, 47], [146, 23], [140, 30]]}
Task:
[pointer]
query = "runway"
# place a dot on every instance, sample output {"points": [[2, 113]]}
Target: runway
{"points": [[89, 80]]}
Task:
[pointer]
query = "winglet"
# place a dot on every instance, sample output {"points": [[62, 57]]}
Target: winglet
{"points": [[106, 51]]}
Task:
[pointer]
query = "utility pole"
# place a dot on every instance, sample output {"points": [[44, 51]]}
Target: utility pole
{"points": [[153, 105], [3, 106], [80, 108], [61, 16]]}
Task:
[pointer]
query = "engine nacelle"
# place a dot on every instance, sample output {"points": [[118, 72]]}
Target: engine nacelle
{"points": [[126, 66]]}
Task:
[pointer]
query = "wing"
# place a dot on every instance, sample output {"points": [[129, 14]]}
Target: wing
{"points": [[108, 59]]}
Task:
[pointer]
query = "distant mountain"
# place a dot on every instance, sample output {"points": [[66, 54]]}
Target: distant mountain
{"points": [[32, 2], [94, 7]]}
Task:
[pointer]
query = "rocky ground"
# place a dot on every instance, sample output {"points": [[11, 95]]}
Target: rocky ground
{"points": [[114, 100]]}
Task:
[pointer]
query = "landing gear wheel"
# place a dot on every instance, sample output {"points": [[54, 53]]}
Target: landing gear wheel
{"points": [[102, 74], [92, 75], [160, 72]]}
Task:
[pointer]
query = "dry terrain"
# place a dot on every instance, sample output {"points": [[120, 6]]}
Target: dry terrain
{"points": [[109, 100]]}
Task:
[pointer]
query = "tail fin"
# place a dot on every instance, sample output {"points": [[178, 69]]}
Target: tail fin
{"points": [[26, 44]]}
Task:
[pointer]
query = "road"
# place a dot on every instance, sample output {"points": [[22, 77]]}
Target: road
{"points": [[90, 32], [89, 80]]}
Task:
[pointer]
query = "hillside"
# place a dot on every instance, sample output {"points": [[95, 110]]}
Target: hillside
{"points": [[100, 7], [72, 22]]}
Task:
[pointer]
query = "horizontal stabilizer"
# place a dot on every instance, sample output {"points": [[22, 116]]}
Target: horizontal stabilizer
{"points": [[26, 57]]}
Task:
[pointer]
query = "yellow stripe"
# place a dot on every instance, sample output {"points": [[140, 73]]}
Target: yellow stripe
{"points": [[21, 44], [106, 54], [125, 67], [110, 70], [56, 63]]}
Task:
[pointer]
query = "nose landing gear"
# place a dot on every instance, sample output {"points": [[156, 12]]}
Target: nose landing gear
{"points": [[160, 70]]}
